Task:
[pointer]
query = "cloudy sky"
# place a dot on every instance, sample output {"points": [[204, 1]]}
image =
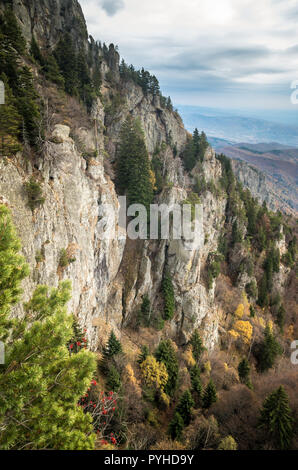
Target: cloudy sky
{"points": [[237, 54]]}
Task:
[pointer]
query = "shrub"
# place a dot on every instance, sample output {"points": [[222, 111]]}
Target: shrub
{"points": [[228, 443], [34, 194], [154, 373]]}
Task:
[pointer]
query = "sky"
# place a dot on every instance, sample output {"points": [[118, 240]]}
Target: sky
{"points": [[231, 54]]}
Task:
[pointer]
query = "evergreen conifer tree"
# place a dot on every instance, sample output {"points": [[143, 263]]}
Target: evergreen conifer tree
{"points": [[196, 381], [113, 346], [113, 379], [270, 349], [197, 345], [13, 270], [176, 426], [134, 176], [143, 354], [169, 296], [41, 382], [210, 395], [67, 60], [276, 419], [165, 353], [184, 407], [281, 318], [10, 123], [243, 371]]}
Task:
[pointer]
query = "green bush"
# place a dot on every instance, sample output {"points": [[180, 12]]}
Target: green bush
{"points": [[64, 259], [34, 194]]}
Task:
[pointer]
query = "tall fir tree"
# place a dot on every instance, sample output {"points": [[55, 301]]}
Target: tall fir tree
{"points": [[276, 419], [281, 317], [184, 407], [270, 349], [243, 371], [10, 123], [195, 378], [67, 60], [134, 175], [197, 345], [168, 295], [165, 353], [176, 426], [210, 395], [113, 346]]}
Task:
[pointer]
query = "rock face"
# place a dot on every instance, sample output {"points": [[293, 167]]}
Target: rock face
{"points": [[109, 276], [262, 187], [48, 19]]}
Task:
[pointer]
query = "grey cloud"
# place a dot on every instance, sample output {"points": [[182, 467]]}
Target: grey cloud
{"points": [[111, 7]]}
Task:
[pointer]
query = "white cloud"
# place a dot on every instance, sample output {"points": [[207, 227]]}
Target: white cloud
{"points": [[194, 45]]}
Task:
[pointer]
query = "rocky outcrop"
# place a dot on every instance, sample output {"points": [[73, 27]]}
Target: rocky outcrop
{"points": [[263, 188], [47, 20]]}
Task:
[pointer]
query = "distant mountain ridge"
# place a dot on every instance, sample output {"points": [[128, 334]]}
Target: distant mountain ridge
{"points": [[236, 128]]}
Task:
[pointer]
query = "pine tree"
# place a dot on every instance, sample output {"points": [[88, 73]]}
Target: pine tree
{"points": [[196, 384], [184, 407], [134, 177], [263, 298], [42, 382], [168, 295], [165, 353], [252, 311], [281, 318], [10, 28], [13, 270], [28, 106], [210, 395], [113, 379], [67, 60], [270, 349], [176, 426], [113, 346], [197, 345], [145, 312], [143, 354], [236, 234], [35, 52], [276, 419], [52, 71], [243, 371], [10, 123]]}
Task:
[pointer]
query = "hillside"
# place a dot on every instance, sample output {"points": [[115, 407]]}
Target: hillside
{"points": [[159, 343], [279, 166]]}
